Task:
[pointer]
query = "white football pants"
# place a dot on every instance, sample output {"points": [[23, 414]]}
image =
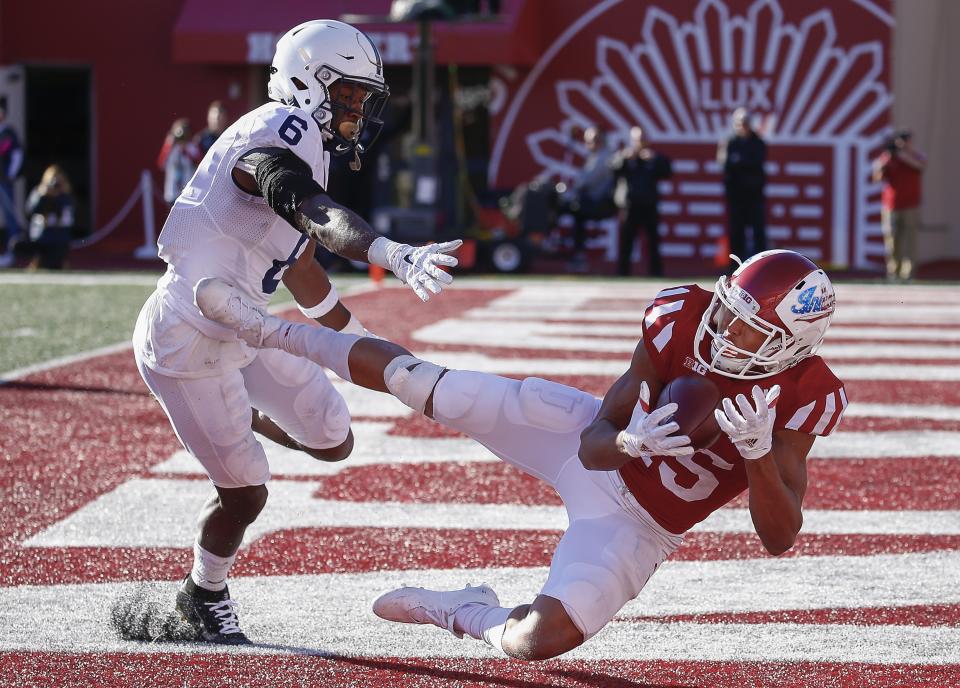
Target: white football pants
{"points": [[211, 415], [611, 546]]}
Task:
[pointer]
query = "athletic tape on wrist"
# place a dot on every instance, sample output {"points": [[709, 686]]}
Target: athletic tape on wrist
{"points": [[324, 307]]}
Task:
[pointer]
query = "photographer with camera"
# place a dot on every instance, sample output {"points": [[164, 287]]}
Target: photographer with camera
{"points": [[900, 168], [50, 212], [638, 168]]}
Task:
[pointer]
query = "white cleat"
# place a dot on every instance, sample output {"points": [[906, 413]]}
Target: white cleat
{"points": [[422, 606], [224, 304]]}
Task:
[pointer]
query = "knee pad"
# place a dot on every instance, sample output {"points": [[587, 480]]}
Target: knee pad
{"points": [[470, 401], [554, 407], [412, 387], [323, 422], [590, 594]]}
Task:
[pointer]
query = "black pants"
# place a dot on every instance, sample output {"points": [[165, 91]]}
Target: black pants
{"points": [[636, 216], [584, 209], [747, 211], [49, 251]]}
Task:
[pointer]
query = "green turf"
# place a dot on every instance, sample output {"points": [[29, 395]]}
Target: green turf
{"points": [[45, 316], [44, 321]]}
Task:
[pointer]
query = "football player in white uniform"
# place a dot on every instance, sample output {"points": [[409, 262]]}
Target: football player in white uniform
{"points": [[251, 216], [630, 485]]}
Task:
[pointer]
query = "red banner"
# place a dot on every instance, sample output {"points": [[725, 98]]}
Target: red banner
{"points": [[815, 75]]}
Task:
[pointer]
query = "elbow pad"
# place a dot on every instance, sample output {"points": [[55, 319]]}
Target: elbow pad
{"points": [[285, 182]]}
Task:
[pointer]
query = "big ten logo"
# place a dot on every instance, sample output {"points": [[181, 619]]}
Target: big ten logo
{"points": [[694, 365]]}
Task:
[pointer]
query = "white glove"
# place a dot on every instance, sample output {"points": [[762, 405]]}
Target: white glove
{"points": [[646, 436], [418, 266], [750, 429]]}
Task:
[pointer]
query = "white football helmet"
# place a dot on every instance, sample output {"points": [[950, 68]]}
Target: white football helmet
{"points": [[310, 58], [780, 294]]}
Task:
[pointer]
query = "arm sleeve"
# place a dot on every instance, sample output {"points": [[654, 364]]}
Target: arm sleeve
{"points": [[284, 180]]}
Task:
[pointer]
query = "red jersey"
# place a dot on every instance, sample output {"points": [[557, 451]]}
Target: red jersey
{"points": [[903, 184], [679, 492]]}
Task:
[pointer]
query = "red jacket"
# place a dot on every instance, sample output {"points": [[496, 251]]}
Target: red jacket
{"points": [[902, 187]]}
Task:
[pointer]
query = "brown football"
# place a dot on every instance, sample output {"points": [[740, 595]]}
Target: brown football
{"points": [[696, 398]]}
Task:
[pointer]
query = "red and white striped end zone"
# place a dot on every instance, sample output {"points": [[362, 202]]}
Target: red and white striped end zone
{"points": [[868, 597]]}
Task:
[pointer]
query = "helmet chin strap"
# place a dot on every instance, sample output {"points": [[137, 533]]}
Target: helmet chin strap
{"points": [[349, 130]]}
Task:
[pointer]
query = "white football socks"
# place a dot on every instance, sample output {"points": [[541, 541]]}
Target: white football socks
{"points": [[483, 622], [209, 570], [321, 345]]}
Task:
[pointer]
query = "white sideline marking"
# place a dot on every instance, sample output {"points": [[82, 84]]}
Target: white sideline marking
{"points": [[161, 513], [18, 373], [336, 616], [80, 279]]}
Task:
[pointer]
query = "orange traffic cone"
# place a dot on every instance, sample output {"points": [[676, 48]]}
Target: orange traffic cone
{"points": [[376, 274]]}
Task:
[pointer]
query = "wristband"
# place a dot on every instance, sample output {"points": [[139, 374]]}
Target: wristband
{"points": [[324, 307]]}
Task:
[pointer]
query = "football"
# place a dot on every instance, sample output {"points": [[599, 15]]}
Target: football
{"points": [[696, 398]]}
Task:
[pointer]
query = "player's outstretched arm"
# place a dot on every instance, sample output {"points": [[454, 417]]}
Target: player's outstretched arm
{"points": [[775, 462], [316, 297], [601, 445], [287, 184]]}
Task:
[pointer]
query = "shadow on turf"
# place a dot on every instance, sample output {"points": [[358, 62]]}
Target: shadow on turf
{"points": [[41, 387], [585, 678], [144, 615]]}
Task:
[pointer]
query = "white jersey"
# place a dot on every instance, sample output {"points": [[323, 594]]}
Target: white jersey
{"points": [[215, 229]]}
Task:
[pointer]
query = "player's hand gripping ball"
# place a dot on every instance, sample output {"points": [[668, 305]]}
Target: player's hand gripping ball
{"points": [[696, 398]]}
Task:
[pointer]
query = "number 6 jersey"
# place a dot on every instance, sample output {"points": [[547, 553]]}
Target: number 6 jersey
{"points": [[679, 492], [216, 229]]}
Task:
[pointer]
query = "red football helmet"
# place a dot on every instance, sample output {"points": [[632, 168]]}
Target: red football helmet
{"points": [[780, 294]]}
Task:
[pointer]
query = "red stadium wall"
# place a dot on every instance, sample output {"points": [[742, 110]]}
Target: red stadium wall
{"points": [[815, 73], [137, 90]]}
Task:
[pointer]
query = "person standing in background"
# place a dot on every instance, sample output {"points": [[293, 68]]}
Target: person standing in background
{"points": [[637, 169], [178, 159], [217, 120], [592, 193], [742, 157], [11, 161], [50, 208], [900, 168]]}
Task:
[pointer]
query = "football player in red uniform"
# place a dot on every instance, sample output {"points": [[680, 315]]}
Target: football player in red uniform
{"points": [[631, 486]]}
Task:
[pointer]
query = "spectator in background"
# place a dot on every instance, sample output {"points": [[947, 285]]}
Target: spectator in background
{"points": [[216, 122], [591, 195], [178, 159], [637, 169], [900, 168], [50, 208], [11, 160], [742, 156]]}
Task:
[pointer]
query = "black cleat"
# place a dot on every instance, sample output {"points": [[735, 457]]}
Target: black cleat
{"points": [[211, 613]]}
